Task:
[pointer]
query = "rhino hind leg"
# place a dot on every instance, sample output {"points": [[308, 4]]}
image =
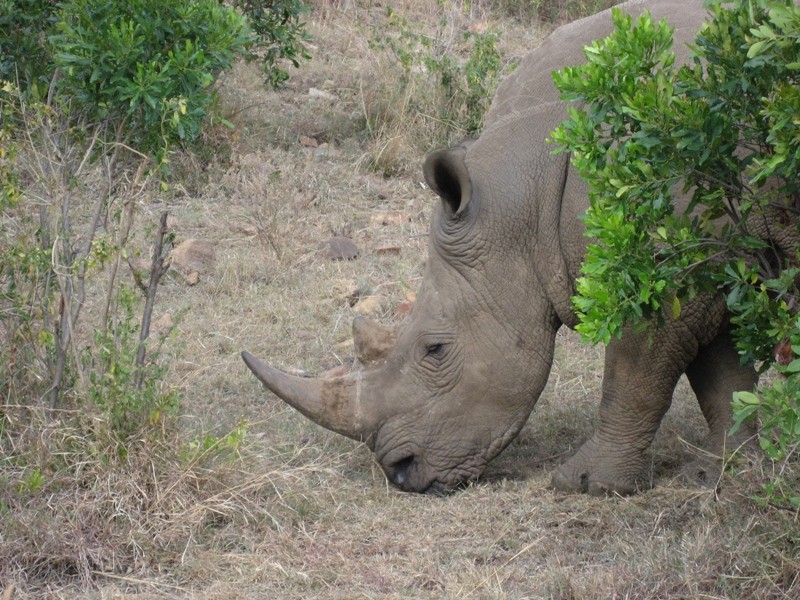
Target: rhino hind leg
{"points": [[714, 375], [638, 383]]}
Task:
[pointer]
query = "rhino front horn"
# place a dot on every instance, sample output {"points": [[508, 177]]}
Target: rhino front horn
{"points": [[333, 403]]}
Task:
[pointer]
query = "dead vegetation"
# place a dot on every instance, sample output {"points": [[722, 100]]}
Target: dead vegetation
{"points": [[294, 511]]}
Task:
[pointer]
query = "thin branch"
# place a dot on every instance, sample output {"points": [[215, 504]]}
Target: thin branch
{"points": [[159, 267], [126, 221]]}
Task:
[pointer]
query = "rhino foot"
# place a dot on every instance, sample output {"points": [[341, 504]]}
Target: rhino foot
{"points": [[601, 469]]}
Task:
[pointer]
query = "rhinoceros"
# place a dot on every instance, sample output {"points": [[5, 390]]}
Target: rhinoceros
{"points": [[439, 396]]}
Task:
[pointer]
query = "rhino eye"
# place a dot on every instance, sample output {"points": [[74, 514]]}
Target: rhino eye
{"points": [[435, 350]]}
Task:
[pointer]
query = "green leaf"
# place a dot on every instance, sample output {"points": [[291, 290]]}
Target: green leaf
{"points": [[747, 398], [793, 367], [676, 308]]}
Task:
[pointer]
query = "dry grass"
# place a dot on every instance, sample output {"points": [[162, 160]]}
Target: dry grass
{"points": [[298, 512]]}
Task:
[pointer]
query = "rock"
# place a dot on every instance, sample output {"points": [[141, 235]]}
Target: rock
{"points": [[403, 309], [308, 142], [320, 94], [192, 278], [193, 255], [388, 249], [340, 248], [369, 306]]}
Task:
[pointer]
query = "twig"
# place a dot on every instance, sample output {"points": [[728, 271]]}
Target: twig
{"points": [[137, 581], [126, 221], [159, 267]]}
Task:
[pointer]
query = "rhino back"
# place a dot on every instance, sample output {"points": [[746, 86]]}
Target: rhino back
{"points": [[532, 82]]}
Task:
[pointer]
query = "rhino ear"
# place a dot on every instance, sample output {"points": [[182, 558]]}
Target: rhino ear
{"points": [[446, 174]]}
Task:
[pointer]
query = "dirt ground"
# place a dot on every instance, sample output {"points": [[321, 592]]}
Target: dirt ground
{"points": [[299, 168]]}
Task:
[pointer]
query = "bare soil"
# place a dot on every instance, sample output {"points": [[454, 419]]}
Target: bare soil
{"points": [[310, 514]]}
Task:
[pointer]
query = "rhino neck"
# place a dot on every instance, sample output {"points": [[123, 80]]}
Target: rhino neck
{"points": [[540, 209]]}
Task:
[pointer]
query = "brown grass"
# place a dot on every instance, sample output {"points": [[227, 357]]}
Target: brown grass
{"points": [[298, 512]]}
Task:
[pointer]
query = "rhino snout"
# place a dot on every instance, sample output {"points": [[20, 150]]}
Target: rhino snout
{"points": [[405, 474], [399, 472]]}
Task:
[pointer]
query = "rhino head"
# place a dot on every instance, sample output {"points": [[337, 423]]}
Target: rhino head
{"points": [[439, 396]]}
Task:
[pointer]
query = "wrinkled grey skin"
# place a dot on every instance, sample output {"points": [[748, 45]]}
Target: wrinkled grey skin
{"points": [[440, 396]]}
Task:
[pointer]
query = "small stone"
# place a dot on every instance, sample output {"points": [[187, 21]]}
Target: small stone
{"points": [[192, 278], [320, 94], [308, 142], [403, 309], [193, 255], [340, 248], [388, 249]]}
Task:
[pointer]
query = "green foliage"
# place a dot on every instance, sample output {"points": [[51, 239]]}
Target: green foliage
{"points": [[111, 362], [146, 66], [24, 25], [280, 34], [720, 139], [129, 81]]}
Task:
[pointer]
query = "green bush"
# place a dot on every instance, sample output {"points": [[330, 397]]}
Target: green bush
{"points": [[280, 35], [146, 66], [726, 128], [24, 26]]}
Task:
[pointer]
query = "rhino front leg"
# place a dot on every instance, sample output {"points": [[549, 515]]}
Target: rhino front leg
{"points": [[638, 383], [715, 375]]}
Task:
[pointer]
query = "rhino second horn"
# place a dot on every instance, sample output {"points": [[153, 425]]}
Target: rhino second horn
{"points": [[333, 403], [372, 341]]}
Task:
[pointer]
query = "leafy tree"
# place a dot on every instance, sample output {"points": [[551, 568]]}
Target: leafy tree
{"points": [[724, 131]]}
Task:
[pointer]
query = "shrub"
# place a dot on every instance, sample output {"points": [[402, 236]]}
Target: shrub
{"points": [[146, 66], [280, 35], [726, 129], [24, 26]]}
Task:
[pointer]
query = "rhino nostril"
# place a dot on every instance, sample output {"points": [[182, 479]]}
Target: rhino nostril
{"points": [[400, 470]]}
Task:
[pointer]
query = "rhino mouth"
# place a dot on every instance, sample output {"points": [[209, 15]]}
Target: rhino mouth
{"points": [[400, 474], [411, 472], [406, 471]]}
